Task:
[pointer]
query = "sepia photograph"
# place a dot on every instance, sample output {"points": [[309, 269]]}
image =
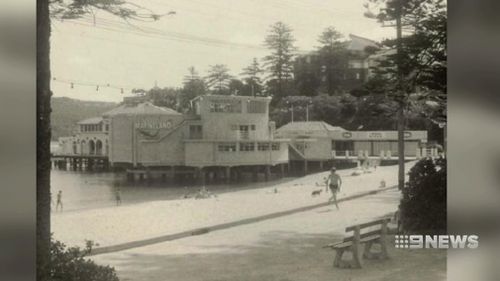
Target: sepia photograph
{"points": [[213, 140]]}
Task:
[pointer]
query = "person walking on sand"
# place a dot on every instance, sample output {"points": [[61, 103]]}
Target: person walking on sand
{"points": [[118, 197], [59, 201], [334, 183]]}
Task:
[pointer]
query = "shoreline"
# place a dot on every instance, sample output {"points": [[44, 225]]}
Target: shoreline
{"points": [[135, 222]]}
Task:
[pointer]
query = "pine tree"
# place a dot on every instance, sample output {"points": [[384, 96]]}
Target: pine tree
{"points": [[252, 75], [218, 79], [193, 87], [192, 75], [279, 63]]}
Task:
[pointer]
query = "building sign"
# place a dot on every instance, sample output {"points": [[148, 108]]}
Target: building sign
{"points": [[375, 135], [153, 124], [149, 128], [347, 135]]}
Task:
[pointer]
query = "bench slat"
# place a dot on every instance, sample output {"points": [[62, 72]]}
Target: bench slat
{"points": [[370, 238], [349, 243], [367, 224], [343, 245], [364, 235]]}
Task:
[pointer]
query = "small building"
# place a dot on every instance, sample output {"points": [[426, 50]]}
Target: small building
{"points": [[91, 138], [317, 141]]}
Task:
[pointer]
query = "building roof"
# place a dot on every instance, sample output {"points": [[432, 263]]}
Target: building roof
{"points": [[144, 108], [358, 43], [310, 126], [90, 121], [233, 97]]}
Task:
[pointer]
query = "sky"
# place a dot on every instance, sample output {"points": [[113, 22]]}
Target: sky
{"points": [[200, 33]]}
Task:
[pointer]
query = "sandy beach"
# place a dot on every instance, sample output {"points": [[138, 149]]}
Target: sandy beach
{"points": [[120, 224]]}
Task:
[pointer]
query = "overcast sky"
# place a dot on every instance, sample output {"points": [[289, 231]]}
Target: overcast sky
{"points": [[200, 34]]}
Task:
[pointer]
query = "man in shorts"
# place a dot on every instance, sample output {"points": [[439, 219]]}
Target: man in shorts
{"points": [[334, 182]]}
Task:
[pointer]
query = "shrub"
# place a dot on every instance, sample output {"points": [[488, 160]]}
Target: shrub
{"points": [[72, 264], [423, 207]]}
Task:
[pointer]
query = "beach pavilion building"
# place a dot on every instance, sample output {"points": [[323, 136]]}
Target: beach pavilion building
{"points": [[223, 137], [315, 143]]}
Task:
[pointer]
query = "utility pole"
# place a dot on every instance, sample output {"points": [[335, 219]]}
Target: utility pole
{"points": [[400, 95]]}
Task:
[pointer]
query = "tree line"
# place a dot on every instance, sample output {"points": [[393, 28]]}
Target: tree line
{"points": [[316, 86]]}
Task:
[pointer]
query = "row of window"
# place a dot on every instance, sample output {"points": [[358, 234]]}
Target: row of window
{"points": [[243, 128], [93, 128], [248, 146], [226, 106], [234, 106]]}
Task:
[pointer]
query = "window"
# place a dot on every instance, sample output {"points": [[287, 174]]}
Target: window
{"points": [[225, 106], [343, 145], [244, 131], [256, 107], [195, 132], [275, 146], [263, 146], [300, 146], [107, 127], [247, 146], [358, 76], [252, 127], [227, 147]]}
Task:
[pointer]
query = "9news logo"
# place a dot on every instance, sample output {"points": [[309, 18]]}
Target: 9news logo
{"points": [[437, 241]]}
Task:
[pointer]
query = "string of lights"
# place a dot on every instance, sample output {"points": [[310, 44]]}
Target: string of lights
{"points": [[97, 86]]}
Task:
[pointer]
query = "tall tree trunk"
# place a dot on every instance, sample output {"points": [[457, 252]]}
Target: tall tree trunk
{"points": [[401, 93], [43, 141]]}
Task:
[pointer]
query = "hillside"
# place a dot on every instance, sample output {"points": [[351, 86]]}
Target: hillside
{"points": [[66, 112]]}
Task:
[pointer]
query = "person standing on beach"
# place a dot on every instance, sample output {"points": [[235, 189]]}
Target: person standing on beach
{"points": [[118, 197], [59, 201], [334, 183]]}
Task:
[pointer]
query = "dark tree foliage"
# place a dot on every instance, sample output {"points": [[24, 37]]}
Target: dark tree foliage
{"points": [[193, 87], [282, 112], [375, 112], [165, 97], [423, 207], [334, 60], [423, 56], [72, 264], [307, 75], [237, 87], [251, 76]]}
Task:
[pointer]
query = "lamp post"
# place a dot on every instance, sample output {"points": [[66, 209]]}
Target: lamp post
{"points": [[291, 108]]}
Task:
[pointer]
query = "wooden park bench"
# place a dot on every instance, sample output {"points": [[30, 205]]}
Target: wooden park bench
{"points": [[362, 234]]}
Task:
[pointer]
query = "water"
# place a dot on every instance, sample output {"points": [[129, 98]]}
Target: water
{"points": [[88, 190]]}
